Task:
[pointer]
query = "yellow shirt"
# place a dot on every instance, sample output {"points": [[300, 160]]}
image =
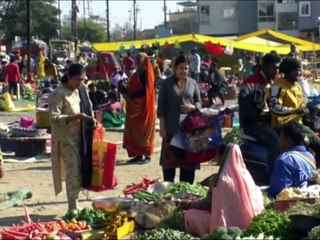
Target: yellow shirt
{"points": [[285, 100]]}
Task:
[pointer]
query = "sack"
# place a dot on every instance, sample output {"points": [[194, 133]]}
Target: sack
{"points": [[195, 121], [26, 122], [103, 162], [8, 103], [203, 139]]}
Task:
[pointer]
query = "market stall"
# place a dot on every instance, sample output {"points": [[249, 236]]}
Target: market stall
{"points": [[250, 42]]}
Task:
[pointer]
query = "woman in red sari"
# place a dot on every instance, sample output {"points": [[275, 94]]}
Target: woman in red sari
{"points": [[139, 130]]}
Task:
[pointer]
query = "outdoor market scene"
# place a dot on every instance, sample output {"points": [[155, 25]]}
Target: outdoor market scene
{"points": [[159, 119]]}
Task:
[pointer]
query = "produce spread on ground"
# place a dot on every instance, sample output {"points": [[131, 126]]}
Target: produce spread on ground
{"points": [[148, 210]]}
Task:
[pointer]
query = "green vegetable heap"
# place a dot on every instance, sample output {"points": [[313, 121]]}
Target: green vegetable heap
{"points": [[224, 234], [163, 234], [271, 223], [314, 233], [89, 215], [175, 220], [184, 187]]}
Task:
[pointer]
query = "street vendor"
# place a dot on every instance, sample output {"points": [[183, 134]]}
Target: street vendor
{"points": [[295, 166], [205, 203], [235, 198]]}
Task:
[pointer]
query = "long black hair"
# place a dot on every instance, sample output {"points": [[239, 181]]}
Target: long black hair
{"points": [[75, 69]]}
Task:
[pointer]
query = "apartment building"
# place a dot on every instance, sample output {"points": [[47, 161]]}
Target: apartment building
{"points": [[243, 16]]}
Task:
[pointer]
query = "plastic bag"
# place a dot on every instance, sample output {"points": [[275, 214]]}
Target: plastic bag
{"points": [[8, 103], [103, 162]]}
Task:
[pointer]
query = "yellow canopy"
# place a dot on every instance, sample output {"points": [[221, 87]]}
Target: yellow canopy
{"points": [[247, 42]]}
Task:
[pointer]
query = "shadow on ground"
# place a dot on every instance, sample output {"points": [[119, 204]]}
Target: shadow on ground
{"points": [[8, 221]]}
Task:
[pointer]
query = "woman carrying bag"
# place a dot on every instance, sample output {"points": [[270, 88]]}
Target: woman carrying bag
{"points": [[178, 94]]}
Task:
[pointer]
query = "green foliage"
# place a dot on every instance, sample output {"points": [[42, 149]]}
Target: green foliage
{"points": [[232, 136], [86, 30], [13, 19]]}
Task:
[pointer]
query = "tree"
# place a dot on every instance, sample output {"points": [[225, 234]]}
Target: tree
{"points": [[44, 19], [86, 30]]}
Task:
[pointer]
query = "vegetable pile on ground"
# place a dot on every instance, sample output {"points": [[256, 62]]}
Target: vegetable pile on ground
{"points": [[314, 233], [143, 185], [175, 220], [39, 230], [185, 188], [163, 234], [73, 225], [221, 233], [271, 223], [89, 215], [303, 208], [146, 196]]}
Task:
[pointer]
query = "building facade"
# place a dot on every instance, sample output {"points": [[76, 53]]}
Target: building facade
{"points": [[243, 16]]}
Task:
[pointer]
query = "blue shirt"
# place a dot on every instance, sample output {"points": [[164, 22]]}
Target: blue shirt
{"points": [[291, 170]]}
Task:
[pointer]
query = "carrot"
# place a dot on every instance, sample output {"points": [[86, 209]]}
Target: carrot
{"points": [[27, 214], [16, 233]]}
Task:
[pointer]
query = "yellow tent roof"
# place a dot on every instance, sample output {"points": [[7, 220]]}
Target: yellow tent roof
{"points": [[275, 34], [242, 43]]}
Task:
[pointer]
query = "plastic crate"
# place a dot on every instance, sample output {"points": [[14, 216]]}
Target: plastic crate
{"points": [[283, 205]]}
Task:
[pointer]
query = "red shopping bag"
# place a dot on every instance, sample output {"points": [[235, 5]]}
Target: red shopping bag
{"points": [[103, 162]]}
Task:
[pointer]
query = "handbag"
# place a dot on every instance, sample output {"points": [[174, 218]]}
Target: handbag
{"points": [[202, 139], [195, 121]]}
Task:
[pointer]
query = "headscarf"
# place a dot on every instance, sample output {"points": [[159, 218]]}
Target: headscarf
{"points": [[236, 198]]}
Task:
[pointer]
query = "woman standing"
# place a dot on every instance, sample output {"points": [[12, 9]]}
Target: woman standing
{"points": [[178, 94], [139, 131], [70, 114]]}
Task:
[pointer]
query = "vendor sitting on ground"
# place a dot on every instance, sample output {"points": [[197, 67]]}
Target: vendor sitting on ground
{"points": [[113, 115], [235, 198], [96, 96], [295, 166]]}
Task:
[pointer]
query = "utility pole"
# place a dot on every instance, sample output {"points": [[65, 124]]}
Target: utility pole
{"points": [[165, 23], [134, 20], [28, 36], [108, 21], [74, 10], [84, 13], [59, 19]]}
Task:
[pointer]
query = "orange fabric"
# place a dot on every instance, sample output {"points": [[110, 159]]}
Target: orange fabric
{"points": [[139, 132]]}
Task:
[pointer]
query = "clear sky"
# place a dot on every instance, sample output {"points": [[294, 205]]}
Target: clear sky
{"points": [[150, 14]]}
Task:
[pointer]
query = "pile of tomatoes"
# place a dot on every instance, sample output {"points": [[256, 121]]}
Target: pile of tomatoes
{"points": [[72, 225]]}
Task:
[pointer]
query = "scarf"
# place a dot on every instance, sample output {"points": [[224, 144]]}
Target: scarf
{"points": [[86, 139]]}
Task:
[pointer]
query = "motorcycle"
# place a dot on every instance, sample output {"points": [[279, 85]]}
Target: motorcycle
{"points": [[255, 157], [46, 87]]}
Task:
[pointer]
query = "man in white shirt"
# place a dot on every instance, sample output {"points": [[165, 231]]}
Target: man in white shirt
{"points": [[195, 62]]}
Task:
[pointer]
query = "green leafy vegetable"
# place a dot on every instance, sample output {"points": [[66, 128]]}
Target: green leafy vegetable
{"points": [[163, 234], [232, 136], [271, 223]]}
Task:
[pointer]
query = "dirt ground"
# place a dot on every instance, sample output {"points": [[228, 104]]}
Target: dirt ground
{"points": [[36, 176]]}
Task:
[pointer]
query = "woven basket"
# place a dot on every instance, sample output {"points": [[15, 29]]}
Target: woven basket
{"points": [[283, 205]]}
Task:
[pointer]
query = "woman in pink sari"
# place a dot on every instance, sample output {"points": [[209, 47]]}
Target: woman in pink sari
{"points": [[235, 198]]}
